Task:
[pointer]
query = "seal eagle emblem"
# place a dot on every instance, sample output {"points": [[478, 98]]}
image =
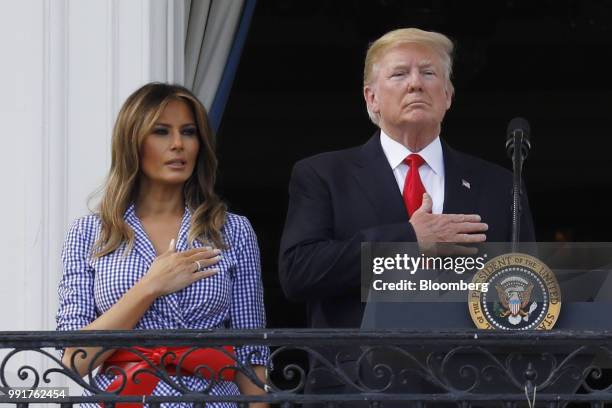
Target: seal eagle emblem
{"points": [[514, 295], [527, 294]]}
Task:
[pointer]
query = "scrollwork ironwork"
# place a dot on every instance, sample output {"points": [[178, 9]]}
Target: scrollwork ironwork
{"points": [[382, 369]]}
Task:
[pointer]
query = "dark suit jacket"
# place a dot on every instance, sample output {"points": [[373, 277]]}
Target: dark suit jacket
{"points": [[340, 199]]}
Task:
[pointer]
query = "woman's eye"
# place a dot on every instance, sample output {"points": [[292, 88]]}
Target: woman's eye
{"points": [[160, 131], [190, 132]]}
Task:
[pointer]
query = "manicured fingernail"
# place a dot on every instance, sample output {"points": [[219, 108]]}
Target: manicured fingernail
{"points": [[217, 251]]}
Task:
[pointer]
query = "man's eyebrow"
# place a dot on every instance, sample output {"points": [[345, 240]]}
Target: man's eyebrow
{"points": [[420, 64], [400, 65], [426, 64]]}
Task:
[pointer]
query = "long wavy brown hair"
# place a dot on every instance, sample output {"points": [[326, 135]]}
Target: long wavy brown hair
{"points": [[135, 121]]}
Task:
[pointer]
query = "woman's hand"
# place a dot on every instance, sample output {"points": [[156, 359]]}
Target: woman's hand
{"points": [[173, 271], [170, 272]]}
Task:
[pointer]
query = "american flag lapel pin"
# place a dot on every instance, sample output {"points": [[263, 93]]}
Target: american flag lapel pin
{"points": [[465, 183]]}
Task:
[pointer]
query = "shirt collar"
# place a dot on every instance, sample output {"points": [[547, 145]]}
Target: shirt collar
{"points": [[397, 152], [132, 219]]}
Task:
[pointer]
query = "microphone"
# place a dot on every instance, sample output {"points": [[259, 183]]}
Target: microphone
{"points": [[518, 131], [517, 148]]}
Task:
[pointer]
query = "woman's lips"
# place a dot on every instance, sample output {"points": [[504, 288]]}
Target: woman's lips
{"points": [[176, 164]]}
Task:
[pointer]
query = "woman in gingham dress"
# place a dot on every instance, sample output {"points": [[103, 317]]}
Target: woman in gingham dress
{"points": [[162, 252]]}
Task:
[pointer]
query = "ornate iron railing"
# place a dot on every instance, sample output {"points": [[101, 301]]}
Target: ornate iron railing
{"points": [[371, 368]]}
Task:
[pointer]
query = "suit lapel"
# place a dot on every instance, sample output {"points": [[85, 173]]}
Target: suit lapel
{"points": [[378, 183], [460, 188], [375, 177]]}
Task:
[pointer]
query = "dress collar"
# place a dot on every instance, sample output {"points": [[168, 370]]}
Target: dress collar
{"points": [[142, 242]]}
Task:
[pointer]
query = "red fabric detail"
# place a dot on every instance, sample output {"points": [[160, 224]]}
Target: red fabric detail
{"points": [[130, 362]]}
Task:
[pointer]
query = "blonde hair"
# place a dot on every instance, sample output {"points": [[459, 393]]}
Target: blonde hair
{"points": [[435, 41], [135, 121]]}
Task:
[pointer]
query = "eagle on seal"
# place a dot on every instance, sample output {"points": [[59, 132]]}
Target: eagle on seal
{"points": [[514, 299]]}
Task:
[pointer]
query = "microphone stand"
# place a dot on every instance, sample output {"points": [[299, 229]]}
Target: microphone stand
{"points": [[517, 169]]}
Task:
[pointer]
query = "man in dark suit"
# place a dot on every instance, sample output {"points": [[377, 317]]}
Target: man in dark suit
{"points": [[404, 185]]}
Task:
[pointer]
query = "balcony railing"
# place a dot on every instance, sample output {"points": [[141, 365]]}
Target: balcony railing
{"points": [[371, 368]]}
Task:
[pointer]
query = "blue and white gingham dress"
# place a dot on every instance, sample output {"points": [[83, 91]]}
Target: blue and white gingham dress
{"points": [[232, 298]]}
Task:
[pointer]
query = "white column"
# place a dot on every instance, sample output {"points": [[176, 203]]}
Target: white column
{"points": [[22, 32], [168, 40]]}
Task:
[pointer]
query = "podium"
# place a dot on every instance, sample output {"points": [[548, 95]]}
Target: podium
{"points": [[583, 272]]}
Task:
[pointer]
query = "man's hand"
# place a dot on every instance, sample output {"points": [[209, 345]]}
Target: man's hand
{"points": [[431, 228]]}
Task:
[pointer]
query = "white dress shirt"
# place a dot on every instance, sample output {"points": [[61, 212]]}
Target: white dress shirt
{"points": [[431, 172]]}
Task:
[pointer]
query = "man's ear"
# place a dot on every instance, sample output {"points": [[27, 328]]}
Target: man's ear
{"points": [[369, 94], [448, 90]]}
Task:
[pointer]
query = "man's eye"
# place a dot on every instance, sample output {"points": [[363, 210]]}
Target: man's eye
{"points": [[398, 74], [430, 73]]}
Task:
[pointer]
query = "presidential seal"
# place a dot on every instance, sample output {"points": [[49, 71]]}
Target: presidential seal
{"points": [[523, 294]]}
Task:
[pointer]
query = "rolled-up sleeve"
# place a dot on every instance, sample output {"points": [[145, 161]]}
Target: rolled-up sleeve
{"points": [[247, 306], [76, 292]]}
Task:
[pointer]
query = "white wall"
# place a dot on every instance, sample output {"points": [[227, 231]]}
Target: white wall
{"points": [[67, 65]]}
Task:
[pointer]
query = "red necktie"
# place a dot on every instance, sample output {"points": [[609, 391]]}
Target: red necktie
{"points": [[413, 186]]}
